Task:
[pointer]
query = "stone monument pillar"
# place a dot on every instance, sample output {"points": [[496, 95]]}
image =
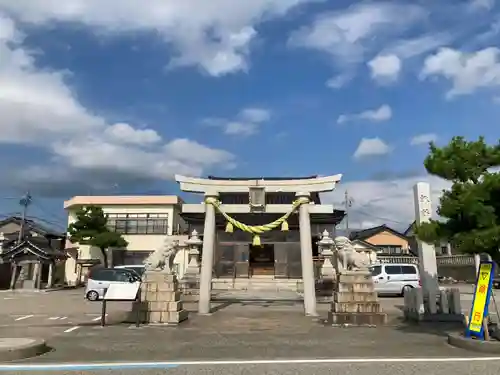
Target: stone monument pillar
{"points": [[207, 258], [191, 278], [307, 257], [426, 251]]}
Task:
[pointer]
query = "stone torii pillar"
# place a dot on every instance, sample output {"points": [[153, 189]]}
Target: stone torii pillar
{"points": [[207, 258], [306, 257]]}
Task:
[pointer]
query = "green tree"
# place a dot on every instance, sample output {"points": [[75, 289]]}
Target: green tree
{"points": [[470, 210], [90, 228]]}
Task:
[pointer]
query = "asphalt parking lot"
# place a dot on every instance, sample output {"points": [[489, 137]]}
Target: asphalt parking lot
{"points": [[242, 332]]}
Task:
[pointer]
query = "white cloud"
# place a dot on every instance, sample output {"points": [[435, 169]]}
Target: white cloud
{"points": [[256, 115], [384, 202], [481, 4], [385, 68], [247, 122], [467, 72], [371, 147], [383, 113], [423, 139], [338, 81], [213, 35], [39, 109], [347, 35], [127, 134], [350, 35], [408, 48]]}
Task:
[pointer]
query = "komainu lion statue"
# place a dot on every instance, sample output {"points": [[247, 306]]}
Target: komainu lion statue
{"points": [[345, 250], [163, 258]]}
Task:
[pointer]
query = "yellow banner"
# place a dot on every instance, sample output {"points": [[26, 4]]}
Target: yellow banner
{"points": [[481, 292]]}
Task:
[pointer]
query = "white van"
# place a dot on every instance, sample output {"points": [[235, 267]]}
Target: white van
{"points": [[395, 278]]}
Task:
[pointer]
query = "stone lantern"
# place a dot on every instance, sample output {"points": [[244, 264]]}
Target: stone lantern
{"points": [[325, 247], [194, 244]]}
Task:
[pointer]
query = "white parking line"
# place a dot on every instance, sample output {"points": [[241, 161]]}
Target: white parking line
{"points": [[24, 317], [98, 318], [72, 329], [54, 318], [64, 318]]}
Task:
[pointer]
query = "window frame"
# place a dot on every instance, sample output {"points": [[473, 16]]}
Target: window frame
{"points": [[139, 223]]}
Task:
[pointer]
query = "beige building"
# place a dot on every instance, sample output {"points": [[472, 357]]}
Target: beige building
{"points": [[144, 221], [384, 239]]}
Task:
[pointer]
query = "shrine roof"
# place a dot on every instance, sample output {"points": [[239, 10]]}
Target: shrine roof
{"points": [[369, 232], [38, 246]]}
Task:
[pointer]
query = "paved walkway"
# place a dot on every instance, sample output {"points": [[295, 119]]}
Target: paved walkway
{"points": [[327, 366], [248, 332]]}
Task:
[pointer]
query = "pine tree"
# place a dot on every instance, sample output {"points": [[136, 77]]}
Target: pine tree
{"points": [[90, 228], [470, 210]]}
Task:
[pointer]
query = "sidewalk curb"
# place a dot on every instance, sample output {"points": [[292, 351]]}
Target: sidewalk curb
{"points": [[12, 349], [459, 341]]}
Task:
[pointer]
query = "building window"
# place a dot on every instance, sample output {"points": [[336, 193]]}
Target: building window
{"points": [[138, 223], [390, 250]]}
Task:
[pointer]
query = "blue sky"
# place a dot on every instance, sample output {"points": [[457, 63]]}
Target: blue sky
{"points": [[116, 97]]}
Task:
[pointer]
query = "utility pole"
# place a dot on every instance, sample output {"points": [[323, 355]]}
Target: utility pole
{"points": [[25, 202], [348, 204]]}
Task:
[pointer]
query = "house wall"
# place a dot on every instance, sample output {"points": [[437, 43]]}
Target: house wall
{"points": [[369, 253], [441, 248], [386, 238], [136, 242]]}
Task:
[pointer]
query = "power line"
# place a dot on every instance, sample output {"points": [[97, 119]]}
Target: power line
{"points": [[24, 202], [380, 217], [48, 222], [46, 212]]}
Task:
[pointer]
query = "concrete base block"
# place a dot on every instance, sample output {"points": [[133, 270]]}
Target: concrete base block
{"points": [[160, 300], [357, 319], [355, 302]]}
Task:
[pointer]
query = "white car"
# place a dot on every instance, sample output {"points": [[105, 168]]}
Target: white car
{"points": [[137, 268], [395, 278]]}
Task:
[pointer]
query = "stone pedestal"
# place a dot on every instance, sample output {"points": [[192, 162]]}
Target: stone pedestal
{"points": [[160, 299], [190, 287], [355, 302]]}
